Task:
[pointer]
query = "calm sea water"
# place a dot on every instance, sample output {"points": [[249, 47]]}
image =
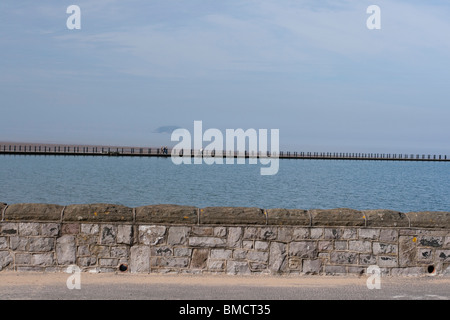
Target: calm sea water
{"points": [[305, 184]]}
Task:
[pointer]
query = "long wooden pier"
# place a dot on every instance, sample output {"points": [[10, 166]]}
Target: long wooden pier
{"points": [[91, 150]]}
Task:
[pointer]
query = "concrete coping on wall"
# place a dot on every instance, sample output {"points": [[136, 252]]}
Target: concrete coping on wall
{"points": [[190, 215]]}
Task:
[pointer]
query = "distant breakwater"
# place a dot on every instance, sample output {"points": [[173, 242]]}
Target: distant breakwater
{"points": [[89, 150]]}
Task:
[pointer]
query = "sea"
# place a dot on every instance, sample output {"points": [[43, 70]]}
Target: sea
{"points": [[299, 184]]}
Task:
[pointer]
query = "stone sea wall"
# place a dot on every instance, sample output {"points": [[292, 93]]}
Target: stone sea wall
{"points": [[228, 240]]}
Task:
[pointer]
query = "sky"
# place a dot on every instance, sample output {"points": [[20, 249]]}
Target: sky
{"points": [[312, 69]]}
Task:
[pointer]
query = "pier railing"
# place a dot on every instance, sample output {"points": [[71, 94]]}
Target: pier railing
{"points": [[35, 149]]}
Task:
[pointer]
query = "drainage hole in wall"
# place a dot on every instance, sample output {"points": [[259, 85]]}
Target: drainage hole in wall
{"points": [[430, 269], [123, 267]]}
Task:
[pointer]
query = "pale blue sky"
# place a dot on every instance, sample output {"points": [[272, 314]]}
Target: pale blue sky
{"points": [[311, 69]]}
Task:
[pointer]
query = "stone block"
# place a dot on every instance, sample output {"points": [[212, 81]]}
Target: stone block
{"points": [[178, 235], [362, 246], [33, 212], [384, 248], [5, 259], [152, 235], [312, 266], [167, 214], [209, 242], [39, 244], [125, 234], [290, 217], [29, 229], [199, 258], [278, 257], [427, 219], [9, 229], [43, 259], [237, 268], [66, 250], [388, 235], [232, 215], [49, 229], [18, 243], [98, 212], [385, 218], [370, 234], [344, 257], [221, 254], [303, 249], [340, 217], [139, 259], [108, 234]]}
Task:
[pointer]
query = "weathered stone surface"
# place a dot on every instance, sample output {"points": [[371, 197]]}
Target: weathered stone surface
{"points": [[5, 259], [367, 259], [387, 261], [371, 234], [334, 270], [238, 268], [9, 228], [140, 259], [108, 234], [98, 212], [3, 243], [70, 228], [216, 265], [443, 255], [2, 207], [178, 235], [292, 217], [199, 258], [268, 233], [303, 249], [412, 271], [221, 254], [90, 228], [312, 266], [125, 234], [161, 251], [33, 212], [385, 218], [66, 250], [18, 243], [40, 244], [29, 229], [360, 246], [287, 234], [261, 245], [336, 217], [120, 252], [152, 235], [258, 256], [384, 248], [278, 257], [232, 215], [407, 251], [43, 259], [50, 229], [207, 242], [388, 235], [167, 213], [429, 219], [344, 257], [173, 262], [431, 241]]}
